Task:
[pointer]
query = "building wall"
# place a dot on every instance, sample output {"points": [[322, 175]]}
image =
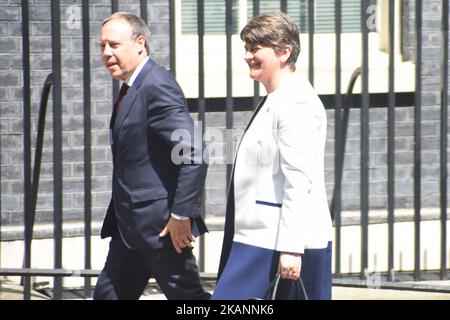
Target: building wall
{"points": [[11, 80], [11, 136]]}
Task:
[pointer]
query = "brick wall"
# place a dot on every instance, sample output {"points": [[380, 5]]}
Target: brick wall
{"points": [[431, 87], [11, 138], [404, 155], [11, 82]]}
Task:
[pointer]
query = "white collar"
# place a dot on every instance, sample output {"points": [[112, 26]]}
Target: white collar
{"points": [[136, 72]]}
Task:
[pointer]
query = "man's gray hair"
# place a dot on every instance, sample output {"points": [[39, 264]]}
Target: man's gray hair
{"points": [[138, 26]]}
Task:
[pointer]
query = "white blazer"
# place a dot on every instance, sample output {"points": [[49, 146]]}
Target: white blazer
{"points": [[279, 185]]}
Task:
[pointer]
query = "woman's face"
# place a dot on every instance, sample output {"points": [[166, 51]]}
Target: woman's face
{"points": [[263, 62]]}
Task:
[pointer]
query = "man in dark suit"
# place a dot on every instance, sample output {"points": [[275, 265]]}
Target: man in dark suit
{"points": [[154, 214]]}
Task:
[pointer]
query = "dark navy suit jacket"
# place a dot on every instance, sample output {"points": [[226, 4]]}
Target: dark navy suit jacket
{"points": [[147, 185]]}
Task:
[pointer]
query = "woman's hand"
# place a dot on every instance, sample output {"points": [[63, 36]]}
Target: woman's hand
{"points": [[290, 265]]}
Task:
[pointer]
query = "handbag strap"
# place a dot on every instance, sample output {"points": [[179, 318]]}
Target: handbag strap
{"points": [[299, 285], [275, 282], [272, 290]]}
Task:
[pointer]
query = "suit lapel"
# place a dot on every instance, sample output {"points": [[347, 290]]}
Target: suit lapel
{"points": [[229, 222], [258, 108]]}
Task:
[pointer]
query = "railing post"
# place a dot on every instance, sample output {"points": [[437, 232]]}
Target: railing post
{"points": [[283, 6], [256, 93], [336, 210], [172, 31], [57, 144], [201, 107], [444, 139], [311, 23], [115, 83], [417, 140], [391, 140], [229, 96], [26, 146], [365, 103], [87, 145], [144, 14]]}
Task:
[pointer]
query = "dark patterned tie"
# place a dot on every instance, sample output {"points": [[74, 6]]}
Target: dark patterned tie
{"points": [[122, 93]]}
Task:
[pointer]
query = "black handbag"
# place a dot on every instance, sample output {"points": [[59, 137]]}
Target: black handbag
{"points": [[271, 292]]}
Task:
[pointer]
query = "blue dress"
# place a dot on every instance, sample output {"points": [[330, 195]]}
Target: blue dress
{"points": [[250, 269], [245, 271]]}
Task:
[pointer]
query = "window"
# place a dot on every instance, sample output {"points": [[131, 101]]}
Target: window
{"points": [[214, 16], [298, 10], [324, 19], [324, 46]]}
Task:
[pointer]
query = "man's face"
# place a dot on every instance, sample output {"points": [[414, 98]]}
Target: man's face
{"points": [[120, 53]]}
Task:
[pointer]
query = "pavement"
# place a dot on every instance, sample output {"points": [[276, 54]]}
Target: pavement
{"points": [[10, 290], [350, 293]]}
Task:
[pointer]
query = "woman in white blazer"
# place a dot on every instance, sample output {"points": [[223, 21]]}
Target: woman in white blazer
{"points": [[277, 219]]}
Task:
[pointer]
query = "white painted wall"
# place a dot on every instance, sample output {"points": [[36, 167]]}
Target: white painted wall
{"points": [[73, 251]]}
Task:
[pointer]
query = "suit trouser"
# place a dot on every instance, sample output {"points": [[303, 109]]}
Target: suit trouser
{"points": [[126, 273]]}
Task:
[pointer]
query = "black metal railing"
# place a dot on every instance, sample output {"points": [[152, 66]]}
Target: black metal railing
{"points": [[34, 183], [341, 114], [444, 138], [417, 140], [391, 142], [335, 206], [26, 144], [87, 144]]}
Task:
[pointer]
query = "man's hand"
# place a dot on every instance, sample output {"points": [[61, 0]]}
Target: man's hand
{"points": [[290, 265], [180, 232]]}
